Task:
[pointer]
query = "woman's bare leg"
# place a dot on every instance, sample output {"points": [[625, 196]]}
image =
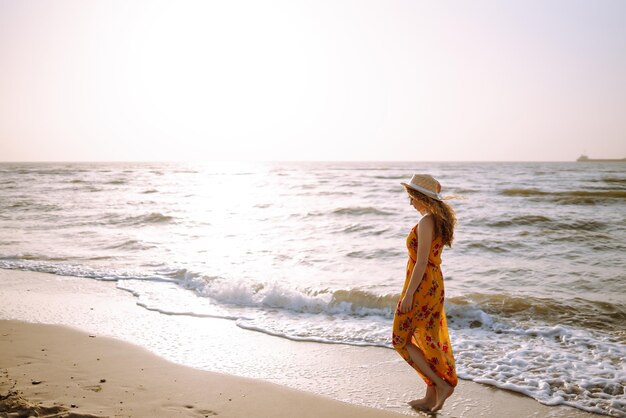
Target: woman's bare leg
{"points": [[427, 402], [442, 389]]}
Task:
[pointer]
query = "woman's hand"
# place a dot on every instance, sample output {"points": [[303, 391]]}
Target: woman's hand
{"points": [[406, 304]]}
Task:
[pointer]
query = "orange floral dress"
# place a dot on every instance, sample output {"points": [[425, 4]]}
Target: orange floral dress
{"points": [[425, 324]]}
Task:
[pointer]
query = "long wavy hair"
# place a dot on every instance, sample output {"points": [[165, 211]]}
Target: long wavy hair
{"points": [[445, 218]]}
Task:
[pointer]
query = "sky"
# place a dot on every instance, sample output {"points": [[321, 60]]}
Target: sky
{"points": [[338, 80]]}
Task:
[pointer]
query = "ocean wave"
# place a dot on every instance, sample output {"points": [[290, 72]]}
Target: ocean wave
{"points": [[581, 225], [148, 218], [364, 229], [356, 228], [361, 299], [374, 254], [578, 312], [218, 297], [99, 258], [359, 211], [569, 197], [594, 240], [117, 181], [463, 190], [473, 310], [580, 200], [614, 180], [43, 265], [45, 172], [282, 296], [348, 211], [130, 244], [467, 311], [31, 206], [402, 177], [521, 220], [31, 257], [550, 223], [493, 246], [330, 193]]}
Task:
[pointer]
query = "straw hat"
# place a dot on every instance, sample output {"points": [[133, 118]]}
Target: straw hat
{"points": [[425, 184]]}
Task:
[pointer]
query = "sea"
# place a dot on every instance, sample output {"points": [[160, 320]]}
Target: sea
{"points": [[315, 251]]}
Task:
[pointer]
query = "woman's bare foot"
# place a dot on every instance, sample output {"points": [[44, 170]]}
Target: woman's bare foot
{"points": [[443, 392], [427, 402]]}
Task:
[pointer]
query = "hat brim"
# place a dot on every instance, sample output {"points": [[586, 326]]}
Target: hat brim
{"points": [[422, 190]]}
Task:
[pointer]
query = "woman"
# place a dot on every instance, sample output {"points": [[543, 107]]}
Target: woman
{"points": [[420, 331]]}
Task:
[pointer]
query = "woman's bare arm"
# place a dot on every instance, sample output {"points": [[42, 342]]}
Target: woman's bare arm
{"points": [[424, 239]]}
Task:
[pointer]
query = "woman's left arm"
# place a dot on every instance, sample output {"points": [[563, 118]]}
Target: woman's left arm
{"points": [[424, 239]]}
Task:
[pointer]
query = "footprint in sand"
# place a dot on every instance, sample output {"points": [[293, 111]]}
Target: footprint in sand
{"points": [[199, 412]]}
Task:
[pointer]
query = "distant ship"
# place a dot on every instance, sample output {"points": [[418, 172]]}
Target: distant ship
{"points": [[585, 159]]}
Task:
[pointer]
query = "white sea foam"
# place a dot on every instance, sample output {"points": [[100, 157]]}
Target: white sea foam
{"points": [[275, 295], [553, 364], [77, 270]]}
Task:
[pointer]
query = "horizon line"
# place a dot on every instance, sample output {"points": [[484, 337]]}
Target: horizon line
{"points": [[280, 161]]}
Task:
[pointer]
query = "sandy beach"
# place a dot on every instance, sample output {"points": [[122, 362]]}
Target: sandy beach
{"points": [[71, 363], [57, 371]]}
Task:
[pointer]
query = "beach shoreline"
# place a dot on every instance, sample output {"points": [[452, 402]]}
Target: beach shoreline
{"points": [[329, 373]]}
